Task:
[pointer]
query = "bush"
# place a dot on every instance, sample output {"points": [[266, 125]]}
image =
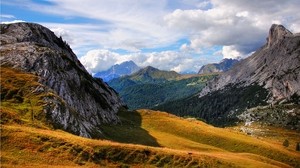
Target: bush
{"points": [[298, 146], [286, 143]]}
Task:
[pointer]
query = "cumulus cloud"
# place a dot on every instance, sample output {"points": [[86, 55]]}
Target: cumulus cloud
{"points": [[230, 52], [235, 27], [240, 26], [100, 60]]}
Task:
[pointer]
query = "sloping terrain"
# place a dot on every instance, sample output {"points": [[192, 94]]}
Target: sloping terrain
{"points": [[223, 66], [177, 142], [150, 87]]}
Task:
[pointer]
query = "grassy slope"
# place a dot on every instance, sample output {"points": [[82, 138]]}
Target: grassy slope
{"points": [[152, 139], [33, 147]]}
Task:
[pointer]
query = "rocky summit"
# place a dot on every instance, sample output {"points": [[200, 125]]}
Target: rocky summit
{"points": [[275, 67], [80, 104]]}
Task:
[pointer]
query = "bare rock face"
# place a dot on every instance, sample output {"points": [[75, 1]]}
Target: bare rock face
{"points": [[275, 67], [223, 66], [276, 34], [81, 103]]}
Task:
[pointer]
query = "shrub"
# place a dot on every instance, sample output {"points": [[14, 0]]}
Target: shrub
{"points": [[298, 146], [286, 143]]}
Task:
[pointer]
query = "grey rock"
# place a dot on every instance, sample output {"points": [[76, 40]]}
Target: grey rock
{"points": [[81, 103], [275, 66], [223, 66]]}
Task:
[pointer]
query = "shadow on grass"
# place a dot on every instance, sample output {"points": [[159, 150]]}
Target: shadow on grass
{"points": [[129, 131]]}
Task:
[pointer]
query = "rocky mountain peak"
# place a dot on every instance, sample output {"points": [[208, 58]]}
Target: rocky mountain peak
{"points": [[81, 103], [277, 33], [275, 67], [118, 70]]}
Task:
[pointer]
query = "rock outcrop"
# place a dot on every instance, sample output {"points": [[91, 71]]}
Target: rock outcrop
{"points": [[223, 66], [275, 67], [81, 103]]}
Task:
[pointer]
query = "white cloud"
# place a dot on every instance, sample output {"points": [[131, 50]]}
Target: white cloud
{"points": [[242, 25], [230, 52], [65, 34], [236, 27], [7, 16], [127, 24], [100, 60], [13, 21]]}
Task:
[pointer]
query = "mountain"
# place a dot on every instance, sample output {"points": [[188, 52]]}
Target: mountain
{"points": [[118, 70], [42, 86], [150, 87], [264, 87], [42, 79], [223, 66]]}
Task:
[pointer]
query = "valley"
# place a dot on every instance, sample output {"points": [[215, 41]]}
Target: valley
{"points": [[150, 87], [55, 114]]}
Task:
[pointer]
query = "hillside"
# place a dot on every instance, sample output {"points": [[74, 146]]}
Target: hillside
{"points": [[150, 87], [223, 66], [69, 98], [149, 138], [118, 70], [263, 87]]}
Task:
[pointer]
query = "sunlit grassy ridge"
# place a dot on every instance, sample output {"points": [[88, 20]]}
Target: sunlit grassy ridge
{"points": [[33, 147], [193, 135]]}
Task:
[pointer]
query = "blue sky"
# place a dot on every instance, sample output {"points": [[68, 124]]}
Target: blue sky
{"points": [[179, 35]]}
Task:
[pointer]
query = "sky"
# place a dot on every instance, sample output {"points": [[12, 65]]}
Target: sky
{"points": [[179, 35]]}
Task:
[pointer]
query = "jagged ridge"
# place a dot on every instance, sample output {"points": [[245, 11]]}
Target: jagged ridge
{"points": [[275, 66]]}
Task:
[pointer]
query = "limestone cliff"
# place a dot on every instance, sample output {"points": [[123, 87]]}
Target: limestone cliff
{"points": [[275, 67], [82, 103]]}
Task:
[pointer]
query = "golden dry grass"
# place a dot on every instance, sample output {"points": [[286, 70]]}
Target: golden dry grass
{"points": [[145, 138], [34, 147]]}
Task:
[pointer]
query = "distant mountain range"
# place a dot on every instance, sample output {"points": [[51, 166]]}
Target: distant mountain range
{"points": [[118, 70], [223, 66], [150, 87], [264, 87]]}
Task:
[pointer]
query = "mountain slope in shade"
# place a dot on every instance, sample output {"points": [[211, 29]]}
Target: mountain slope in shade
{"points": [[69, 98], [264, 87], [118, 70], [223, 66]]}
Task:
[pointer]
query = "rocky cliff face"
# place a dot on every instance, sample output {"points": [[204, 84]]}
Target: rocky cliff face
{"points": [[275, 67], [81, 103], [223, 66]]}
